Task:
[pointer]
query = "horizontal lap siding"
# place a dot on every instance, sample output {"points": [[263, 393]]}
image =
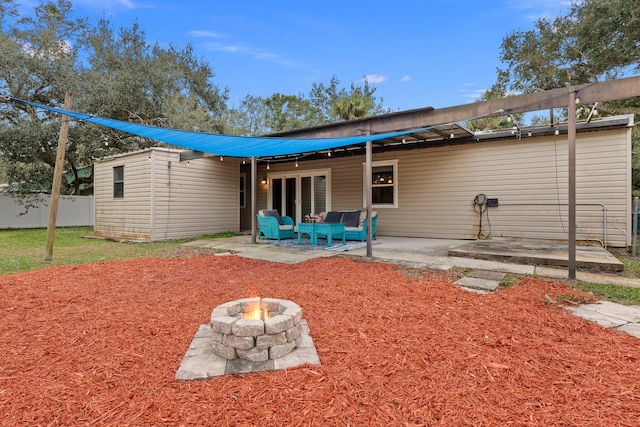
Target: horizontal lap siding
{"points": [[196, 197], [437, 187], [128, 217]]}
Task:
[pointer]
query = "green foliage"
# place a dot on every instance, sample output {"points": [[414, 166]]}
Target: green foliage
{"points": [[597, 40], [324, 104], [112, 73], [22, 250], [621, 294]]}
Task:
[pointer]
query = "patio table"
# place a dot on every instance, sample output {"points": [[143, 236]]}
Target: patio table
{"points": [[314, 229], [310, 229], [330, 230]]}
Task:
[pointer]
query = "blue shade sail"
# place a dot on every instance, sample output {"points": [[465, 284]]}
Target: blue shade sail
{"points": [[225, 145]]}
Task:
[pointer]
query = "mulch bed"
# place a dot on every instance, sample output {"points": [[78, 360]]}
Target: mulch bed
{"points": [[100, 344]]}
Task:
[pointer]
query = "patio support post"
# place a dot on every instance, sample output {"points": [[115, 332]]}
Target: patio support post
{"points": [[368, 198], [57, 179], [571, 135], [254, 189]]}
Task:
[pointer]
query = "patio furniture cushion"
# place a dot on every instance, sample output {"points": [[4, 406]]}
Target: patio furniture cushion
{"points": [[351, 219], [274, 213], [333, 217]]}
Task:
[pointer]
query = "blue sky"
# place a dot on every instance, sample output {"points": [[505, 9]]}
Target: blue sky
{"points": [[417, 53]]}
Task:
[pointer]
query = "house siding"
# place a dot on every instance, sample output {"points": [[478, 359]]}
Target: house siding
{"points": [[167, 199], [128, 217], [529, 177]]}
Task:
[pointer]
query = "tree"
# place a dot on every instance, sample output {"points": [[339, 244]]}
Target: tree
{"points": [[111, 73], [324, 104], [597, 40]]}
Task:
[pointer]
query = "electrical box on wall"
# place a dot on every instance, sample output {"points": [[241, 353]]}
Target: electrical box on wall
{"points": [[492, 203]]}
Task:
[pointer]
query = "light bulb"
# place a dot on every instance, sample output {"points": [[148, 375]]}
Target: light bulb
{"points": [[267, 165], [221, 159]]}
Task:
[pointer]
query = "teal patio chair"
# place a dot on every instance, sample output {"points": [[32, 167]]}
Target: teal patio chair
{"points": [[273, 226]]}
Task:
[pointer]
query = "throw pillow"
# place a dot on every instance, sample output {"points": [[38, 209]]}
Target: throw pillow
{"points": [[274, 213], [333, 217], [351, 219]]}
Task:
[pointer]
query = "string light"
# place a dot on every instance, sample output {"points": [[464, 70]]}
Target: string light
{"points": [[221, 159], [244, 161], [267, 165], [296, 162]]}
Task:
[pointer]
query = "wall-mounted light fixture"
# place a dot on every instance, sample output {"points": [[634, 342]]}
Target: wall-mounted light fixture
{"points": [[264, 180]]}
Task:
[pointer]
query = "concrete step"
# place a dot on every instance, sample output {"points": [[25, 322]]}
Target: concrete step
{"points": [[475, 283]]}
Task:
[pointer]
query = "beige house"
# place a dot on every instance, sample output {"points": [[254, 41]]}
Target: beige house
{"points": [[419, 190]]}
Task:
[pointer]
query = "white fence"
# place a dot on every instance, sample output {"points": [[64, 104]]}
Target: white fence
{"points": [[72, 211]]}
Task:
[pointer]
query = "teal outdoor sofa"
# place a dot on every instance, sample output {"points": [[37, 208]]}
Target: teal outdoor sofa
{"points": [[273, 226], [355, 223]]}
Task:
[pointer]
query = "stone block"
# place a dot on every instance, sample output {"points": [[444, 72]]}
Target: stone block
{"points": [[279, 323], [244, 343], [248, 328], [223, 324], [246, 302], [284, 304], [295, 313], [294, 332], [217, 336], [254, 355], [266, 341], [271, 304], [223, 351], [280, 350]]}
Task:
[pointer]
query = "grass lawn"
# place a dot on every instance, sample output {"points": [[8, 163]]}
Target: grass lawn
{"points": [[23, 250]]}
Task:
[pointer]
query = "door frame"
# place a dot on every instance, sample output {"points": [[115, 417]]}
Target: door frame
{"points": [[298, 175]]}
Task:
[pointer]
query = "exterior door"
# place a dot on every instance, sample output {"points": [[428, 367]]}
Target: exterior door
{"points": [[299, 194]]}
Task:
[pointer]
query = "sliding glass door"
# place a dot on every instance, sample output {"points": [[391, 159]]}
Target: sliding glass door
{"points": [[300, 193]]}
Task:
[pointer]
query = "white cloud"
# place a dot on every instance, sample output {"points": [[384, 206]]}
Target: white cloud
{"points": [[204, 34], [375, 78], [257, 53], [405, 78]]}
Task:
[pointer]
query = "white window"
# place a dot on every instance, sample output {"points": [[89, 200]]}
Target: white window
{"points": [[384, 184], [118, 182]]}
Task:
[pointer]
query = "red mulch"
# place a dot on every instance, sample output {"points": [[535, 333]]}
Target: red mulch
{"points": [[99, 344]]}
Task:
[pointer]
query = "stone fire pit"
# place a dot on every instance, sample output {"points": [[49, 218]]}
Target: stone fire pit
{"points": [[249, 335], [256, 329]]}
